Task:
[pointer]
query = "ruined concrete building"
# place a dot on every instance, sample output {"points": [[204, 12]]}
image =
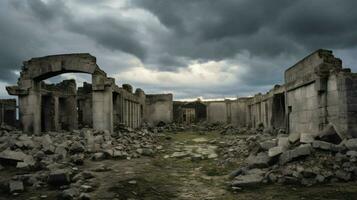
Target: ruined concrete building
{"points": [[317, 93], [8, 112], [102, 105]]}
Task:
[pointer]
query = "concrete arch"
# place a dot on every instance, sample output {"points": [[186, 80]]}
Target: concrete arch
{"points": [[29, 89], [49, 66]]}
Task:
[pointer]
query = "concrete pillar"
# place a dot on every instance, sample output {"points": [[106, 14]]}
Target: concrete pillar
{"points": [[71, 111], [56, 113], [122, 109], [135, 116], [130, 114], [102, 98], [126, 105], [103, 109], [30, 109]]}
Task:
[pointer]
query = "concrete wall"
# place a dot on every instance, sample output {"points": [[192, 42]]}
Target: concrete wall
{"points": [[303, 109], [216, 111], [158, 107], [8, 112], [85, 104]]}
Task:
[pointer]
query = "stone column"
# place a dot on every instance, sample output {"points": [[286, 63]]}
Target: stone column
{"points": [[30, 109], [102, 102], [71, 112]]}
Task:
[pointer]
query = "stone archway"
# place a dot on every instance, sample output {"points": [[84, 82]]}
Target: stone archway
{"points": [[35, 70]]}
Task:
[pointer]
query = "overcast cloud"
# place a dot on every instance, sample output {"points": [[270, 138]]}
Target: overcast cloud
{"points": [[196, 48]]}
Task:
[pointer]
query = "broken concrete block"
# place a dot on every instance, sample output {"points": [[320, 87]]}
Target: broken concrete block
{"points": [[251, 178], [306, 138], [179, 154], [323, 145], [77, 159], [329, 134], [98, 156], [302, 150], [119, 154], [351, 153], [61, 150], [76, 147], [266, 145], [294, 137], [47, 144], [261, 160], [351, 144], [25, 142], [59, 177], [275, 151], [237, 172], [283, 142], [145, 151], [16, 186], [69, 194], [12, 156], [343, 175], [84, 196]]}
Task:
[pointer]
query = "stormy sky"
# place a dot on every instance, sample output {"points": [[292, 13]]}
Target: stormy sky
{"points": [[192, 48]]}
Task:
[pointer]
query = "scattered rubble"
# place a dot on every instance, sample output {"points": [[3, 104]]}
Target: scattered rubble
{"points": [[51, 159], [304, 159]]}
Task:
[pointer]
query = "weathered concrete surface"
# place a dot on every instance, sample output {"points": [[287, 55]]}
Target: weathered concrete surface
{"points": [[158, 108]]}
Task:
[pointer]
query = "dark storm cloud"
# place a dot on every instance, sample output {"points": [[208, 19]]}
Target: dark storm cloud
{"points": [[274, 33], [265, 37], [257, 26], [115, 34]]}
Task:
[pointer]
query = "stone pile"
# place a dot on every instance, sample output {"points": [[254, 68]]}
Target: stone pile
{"points": [[304, 159], [232, 149], [199, 127], [51, 159]]}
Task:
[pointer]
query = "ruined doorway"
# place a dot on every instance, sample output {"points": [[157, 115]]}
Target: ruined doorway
{"points": [[117, 109], [188, 115], [278, 115], [47, 114]]}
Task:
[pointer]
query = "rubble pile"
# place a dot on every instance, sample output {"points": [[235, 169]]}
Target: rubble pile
{"points": [[53, 159], [232, 149], [224, 128], [297, 159]]}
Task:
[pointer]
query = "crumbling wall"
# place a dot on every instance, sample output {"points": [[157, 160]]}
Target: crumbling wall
{"points": [[84, 102], [30, 93], [197, 110], [312, 96], [59, 106], [342, 101], [8, 112], [303, 109], [158, 107], [128, 107], [216, 111]]}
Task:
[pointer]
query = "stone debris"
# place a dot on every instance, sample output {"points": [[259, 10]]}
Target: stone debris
{"points": [[296, 159], [16, 186], [51, 159]]}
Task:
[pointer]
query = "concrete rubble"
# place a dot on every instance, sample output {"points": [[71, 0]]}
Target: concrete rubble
{"points": [[52, 159], [306, 160]]}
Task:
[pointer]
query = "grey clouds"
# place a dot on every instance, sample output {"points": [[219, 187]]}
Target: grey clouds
{"points": [[230, 48]]}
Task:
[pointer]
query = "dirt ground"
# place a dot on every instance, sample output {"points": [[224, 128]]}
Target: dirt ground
{"points": [[166, 177]]}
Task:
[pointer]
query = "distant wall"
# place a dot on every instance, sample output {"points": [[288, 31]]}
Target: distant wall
{"points": [[8, 112], [233, 112], [159, 107], [216, 111]]}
